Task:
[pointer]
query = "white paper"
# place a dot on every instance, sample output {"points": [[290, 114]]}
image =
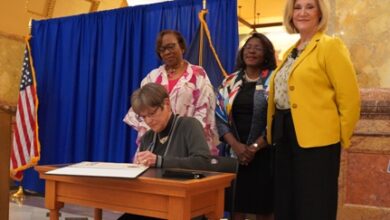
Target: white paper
{"points": [[101, 169]]}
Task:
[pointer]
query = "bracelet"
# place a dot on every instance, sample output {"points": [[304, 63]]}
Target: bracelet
{"points": [[257, 145]]}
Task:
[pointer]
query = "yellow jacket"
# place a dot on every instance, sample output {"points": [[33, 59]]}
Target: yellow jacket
{"points": [[324, 94]]}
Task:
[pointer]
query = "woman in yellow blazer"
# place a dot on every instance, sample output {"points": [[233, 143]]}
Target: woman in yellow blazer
{"points": [[313, 107]]}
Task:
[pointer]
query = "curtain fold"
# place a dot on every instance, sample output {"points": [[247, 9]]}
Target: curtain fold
{"points": [[88, 65]]}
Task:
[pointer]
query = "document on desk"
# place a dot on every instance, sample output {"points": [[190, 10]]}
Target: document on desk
{"points": [[101, 169]]}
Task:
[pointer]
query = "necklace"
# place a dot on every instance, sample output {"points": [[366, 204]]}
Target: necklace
{"points": [[164, 139], [298, 50], [249, 79], [171, 72]]}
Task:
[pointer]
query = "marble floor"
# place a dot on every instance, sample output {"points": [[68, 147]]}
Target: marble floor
{"points": [[32, 207]]}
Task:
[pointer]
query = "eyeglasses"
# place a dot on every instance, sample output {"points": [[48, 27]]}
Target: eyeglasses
{"points": [[170, 47], [256, 48], [151, 114]]}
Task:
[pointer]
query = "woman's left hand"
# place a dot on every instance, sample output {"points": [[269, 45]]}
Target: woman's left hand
{"points": [[253, 148]]}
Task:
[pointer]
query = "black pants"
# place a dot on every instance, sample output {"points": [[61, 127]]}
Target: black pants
{"points": [[306, 179]]}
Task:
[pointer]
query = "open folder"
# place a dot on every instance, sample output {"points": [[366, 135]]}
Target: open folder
{"points": [[101, 169]]}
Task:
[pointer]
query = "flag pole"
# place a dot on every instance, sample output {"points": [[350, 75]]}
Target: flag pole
{"points": [[201, 17], [204, 29], [29, 26]]}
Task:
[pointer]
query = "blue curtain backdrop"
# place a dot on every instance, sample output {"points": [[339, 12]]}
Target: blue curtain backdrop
{"points": [[88, 65]]}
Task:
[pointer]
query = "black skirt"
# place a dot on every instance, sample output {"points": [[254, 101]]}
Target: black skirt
{"points": [[254, 186]]}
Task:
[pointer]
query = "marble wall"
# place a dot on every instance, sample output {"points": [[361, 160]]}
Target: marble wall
{"points": [[364, 27], [364, 184], [11, 59]]}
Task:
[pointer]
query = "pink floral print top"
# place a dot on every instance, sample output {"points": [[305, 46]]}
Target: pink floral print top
{"points": [[192, 96]]}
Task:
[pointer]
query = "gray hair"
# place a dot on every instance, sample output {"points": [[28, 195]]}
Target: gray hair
{"points": [[149, 96]]}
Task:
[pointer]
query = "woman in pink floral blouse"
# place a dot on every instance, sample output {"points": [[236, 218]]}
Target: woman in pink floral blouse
{"points": [[190, 91]]}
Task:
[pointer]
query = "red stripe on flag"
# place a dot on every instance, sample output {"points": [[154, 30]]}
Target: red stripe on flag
{"points": [[31, 109], [22, 122], [19, 149], [29, 129], [33, 125], [14, 163]]}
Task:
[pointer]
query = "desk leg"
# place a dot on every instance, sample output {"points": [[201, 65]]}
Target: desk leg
{"points": [[219, 206], [179, 208], [51, 200], [98, 214], [54, 214]]}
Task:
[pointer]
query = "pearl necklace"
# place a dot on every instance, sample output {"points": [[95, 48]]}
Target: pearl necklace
{"points": [[249, 79]]}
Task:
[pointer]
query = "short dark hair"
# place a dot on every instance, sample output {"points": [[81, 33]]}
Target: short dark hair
{"points": [[179, 37], [269, 61], [149, 96]]}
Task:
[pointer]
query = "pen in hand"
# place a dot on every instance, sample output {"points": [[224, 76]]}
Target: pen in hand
{"points": [[146, 158]]}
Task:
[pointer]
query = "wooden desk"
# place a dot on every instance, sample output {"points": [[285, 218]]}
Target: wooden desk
{"points": [[148, 195], [5, 148]]}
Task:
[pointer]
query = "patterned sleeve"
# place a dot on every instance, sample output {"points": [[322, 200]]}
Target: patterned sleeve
{"points": [[132, 120], [204, 101], [220, 111]]}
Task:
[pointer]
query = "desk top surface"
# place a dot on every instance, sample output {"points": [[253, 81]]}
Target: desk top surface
{"points": [[152, 174]]}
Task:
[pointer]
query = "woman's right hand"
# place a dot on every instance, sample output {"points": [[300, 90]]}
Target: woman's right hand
{"points": [[244, 154], [146, 158]]}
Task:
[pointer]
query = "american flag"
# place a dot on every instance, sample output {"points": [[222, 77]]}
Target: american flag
{"points": [[25, 151]]}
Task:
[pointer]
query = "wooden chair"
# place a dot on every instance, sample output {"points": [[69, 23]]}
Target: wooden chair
{"points": [[226, 165]]}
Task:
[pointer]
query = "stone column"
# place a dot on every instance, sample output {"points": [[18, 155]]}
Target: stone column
{"points": [[364, 184]]}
